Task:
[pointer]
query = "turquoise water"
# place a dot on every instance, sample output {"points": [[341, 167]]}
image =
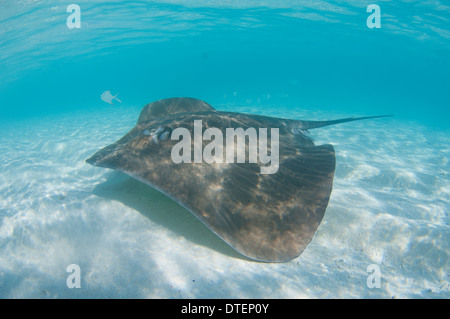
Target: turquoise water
{"points": [[294, 59], [305, 54]]}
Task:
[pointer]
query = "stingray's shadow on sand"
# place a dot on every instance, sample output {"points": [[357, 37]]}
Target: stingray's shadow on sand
{"points": [[161, 210]]}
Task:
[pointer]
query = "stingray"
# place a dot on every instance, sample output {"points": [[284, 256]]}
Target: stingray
{"points": [[108, 97], [265, 217]]}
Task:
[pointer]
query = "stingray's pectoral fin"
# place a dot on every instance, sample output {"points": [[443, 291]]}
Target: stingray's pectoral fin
{"points": [[171, 106], [273, 217], [266, 217]]}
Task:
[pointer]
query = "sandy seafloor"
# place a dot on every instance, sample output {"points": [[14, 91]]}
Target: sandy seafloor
{"points": [[389, 207]]}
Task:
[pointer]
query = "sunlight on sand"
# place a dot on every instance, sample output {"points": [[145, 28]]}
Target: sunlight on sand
{"points": [[389, 207]]}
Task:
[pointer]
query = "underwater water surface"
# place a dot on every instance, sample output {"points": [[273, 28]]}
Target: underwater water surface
{"points": [[309, 60]]}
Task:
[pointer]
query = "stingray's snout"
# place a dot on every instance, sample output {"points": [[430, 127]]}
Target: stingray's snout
{"points": [[90, 160], [106, 157], [93, 159], [98, 159]]}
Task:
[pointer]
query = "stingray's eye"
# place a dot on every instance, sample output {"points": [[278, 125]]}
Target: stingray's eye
{"points": [[164, 134], [156, 135], [159, 130]]}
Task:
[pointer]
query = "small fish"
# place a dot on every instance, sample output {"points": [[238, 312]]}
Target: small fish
{"points": [[108, 97]]}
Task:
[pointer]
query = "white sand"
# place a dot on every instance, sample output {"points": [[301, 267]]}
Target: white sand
{"points": [[389, 207]]}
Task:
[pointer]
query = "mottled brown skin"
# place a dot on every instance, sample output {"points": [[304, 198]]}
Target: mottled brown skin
{"points": [[266, 217]]}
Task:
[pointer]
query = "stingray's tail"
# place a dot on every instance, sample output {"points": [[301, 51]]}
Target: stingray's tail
{"points": [[315, 124]]}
